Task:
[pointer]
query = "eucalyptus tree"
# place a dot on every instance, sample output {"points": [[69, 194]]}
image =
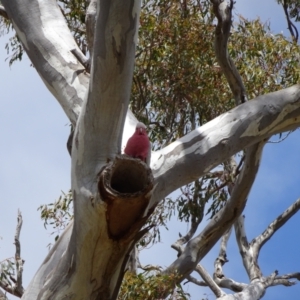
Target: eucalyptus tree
{"points": [[85, 52]]}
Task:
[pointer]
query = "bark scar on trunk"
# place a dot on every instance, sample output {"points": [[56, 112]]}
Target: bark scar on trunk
{"points": [[125, 185]]}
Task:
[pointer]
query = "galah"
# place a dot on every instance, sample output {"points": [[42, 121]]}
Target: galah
{"points": [[138, 145]]}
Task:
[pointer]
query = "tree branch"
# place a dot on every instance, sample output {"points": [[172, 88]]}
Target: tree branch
{"points": [[105, 109], [249, 258], [219, 277], [223, 245], [292, 28], [9, 283], [19, 260], [192, 279], [227, 283], [133, 261], [223, 12], [47, 40], [209, 281], [268, 281], [90, 23], [7, 287], [206, 147], [230, 167], [199, 246], [53, 55], [259, 241], [284, 279], [50, 262]]}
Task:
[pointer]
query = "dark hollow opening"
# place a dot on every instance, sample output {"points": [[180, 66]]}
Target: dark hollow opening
{"points": [[129, 176]]}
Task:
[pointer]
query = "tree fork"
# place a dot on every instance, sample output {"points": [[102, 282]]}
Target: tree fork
{"points": [[125, 185]]}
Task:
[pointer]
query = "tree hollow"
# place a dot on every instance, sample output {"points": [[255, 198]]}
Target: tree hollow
{"points": [[125, 186]]}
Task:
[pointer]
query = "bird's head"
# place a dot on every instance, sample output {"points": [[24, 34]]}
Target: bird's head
{"points": [[141, 128]]}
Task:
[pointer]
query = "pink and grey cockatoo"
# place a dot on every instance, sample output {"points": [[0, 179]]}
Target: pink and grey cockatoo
{"points": [[138, 145]]}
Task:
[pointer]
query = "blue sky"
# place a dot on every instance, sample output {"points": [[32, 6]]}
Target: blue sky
{"points": [[35, 167]]}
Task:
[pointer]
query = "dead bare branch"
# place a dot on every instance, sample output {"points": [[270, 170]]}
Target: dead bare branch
{"points": [[192, 279], [270, 279], [230, 284], [223, 245], [284, 279], [5, 285], [8, 282], [209, 281], [231, 168], [259, 241], [19, 261], [249, 256]]}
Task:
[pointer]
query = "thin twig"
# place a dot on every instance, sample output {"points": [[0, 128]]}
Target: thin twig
{"points": [[282, 139], [147, 267]]}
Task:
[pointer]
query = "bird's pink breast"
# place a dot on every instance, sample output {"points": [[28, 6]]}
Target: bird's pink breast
{"points": [[138, 146]]}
